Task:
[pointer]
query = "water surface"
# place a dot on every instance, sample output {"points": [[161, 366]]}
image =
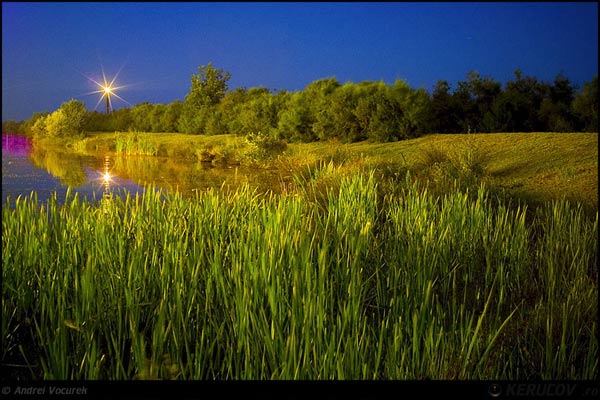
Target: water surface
{"points": [[47, 170]]}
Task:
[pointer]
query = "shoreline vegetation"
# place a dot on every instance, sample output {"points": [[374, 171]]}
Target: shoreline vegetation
{"points": [[533, 167], [441, 257]]}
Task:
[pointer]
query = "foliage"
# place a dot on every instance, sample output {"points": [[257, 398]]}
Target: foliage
{"points": [[67, 121], [208, 87], [326, 109], [263, 146], [585, 106], [295, 119], [207, 90], [12, 127], [27, 126], [39, 130], [258, 113]]}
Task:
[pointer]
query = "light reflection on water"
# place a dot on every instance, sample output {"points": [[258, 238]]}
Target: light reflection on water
{"points": [[27, 168]]}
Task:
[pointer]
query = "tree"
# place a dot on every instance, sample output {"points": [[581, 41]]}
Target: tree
{"points": [[516, 109], [38, 129], [95, 122], [56, 124], [295, 119], [208, 87], [485, 92], [229, 109], [74, 112], [120, 120], [465, 107], [259, 112], [141, 117], [338, 119], [28, 125], [321, 97], [442, 109], [11, 126], [415, 106], [207, 90], [66, 121], [156, 125], [379, 112], [585, 106], [555, 110]]}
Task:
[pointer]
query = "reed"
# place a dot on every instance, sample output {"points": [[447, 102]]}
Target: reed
{"points": [[135, 143], [335, 282]]}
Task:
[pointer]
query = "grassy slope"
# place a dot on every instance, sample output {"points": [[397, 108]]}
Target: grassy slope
{"points": [[533, 166]]}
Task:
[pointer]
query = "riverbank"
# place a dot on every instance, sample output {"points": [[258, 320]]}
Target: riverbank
{"points": [[531, 167]]}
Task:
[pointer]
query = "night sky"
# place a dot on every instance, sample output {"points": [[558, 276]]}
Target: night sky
{"points": [[48, 49]]}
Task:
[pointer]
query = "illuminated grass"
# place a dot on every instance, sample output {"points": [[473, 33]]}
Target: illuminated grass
{"points": [[533, 167], [352, 284]]}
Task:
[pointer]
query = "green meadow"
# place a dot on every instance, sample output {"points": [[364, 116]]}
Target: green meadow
{"points": [[441, 257]]}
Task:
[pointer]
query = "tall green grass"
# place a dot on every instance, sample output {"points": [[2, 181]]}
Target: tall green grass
{"points": [[350, 284], [135, 143]]}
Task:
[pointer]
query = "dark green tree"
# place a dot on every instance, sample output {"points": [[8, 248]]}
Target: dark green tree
{"points": [[320, 96], [12, 127], [120, 120], [465, 107], [339, 119], [415, 106], [229, 110], [517, 108], [485, 92], [95, 122], [585, 106], [443, 110], [141, 117], [208, 87], [558, 112], [296, 119], [207, 90], [170, 116], [259, 112], [155, 116]]}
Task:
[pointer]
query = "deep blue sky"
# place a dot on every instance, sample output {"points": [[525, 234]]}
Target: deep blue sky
{"points": [[46, 47]]}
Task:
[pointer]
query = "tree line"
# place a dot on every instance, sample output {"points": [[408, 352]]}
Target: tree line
{"points": [[349, 112]]}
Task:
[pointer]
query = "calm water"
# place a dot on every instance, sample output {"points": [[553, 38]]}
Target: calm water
{"points": [[27, 168]]}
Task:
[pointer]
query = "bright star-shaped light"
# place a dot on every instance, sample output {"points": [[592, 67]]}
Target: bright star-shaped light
{"points": [[107, 88]]}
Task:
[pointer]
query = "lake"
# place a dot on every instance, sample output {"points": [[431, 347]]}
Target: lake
{"points": [[27, 167]]}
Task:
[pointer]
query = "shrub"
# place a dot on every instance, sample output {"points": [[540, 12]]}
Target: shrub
{"points": [[465, 165], [263, 146]]}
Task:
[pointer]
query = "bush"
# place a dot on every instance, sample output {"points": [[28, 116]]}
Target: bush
{"points": [[262, 146], [463, 165]]}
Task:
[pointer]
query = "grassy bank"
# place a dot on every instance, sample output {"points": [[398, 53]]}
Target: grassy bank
{"points": [[346, 282], [532, 167]]}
